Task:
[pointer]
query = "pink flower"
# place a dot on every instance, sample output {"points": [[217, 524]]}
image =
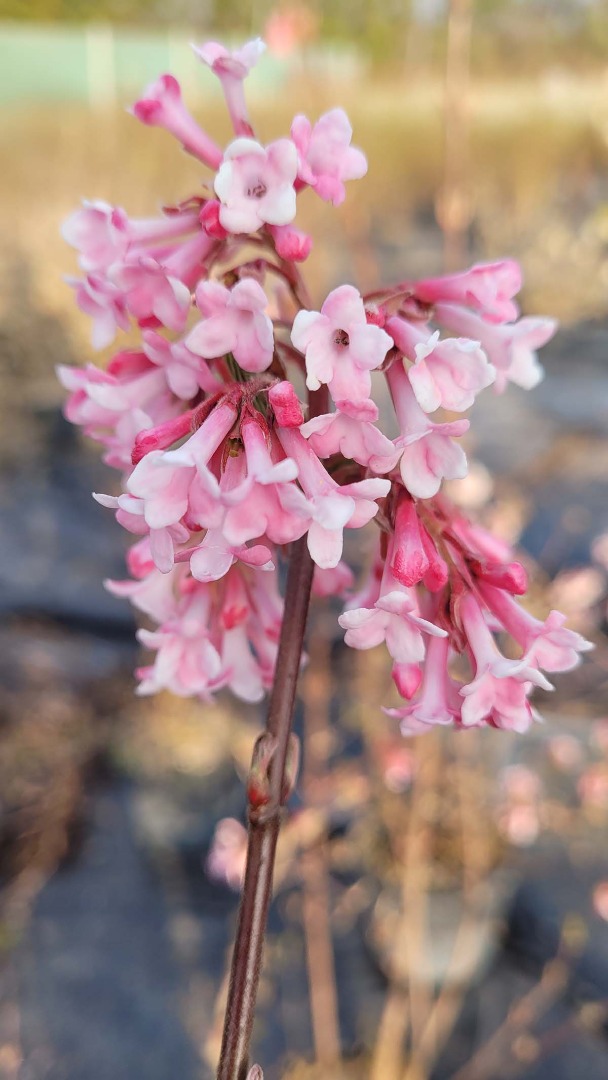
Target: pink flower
{"points": [[428, 453], [184, 372], [113, 406], [187, 662], [394, 619], [213, 558], [341, 348], [360, 440], [231, 68], [335, 581], [331, 507], [154, 594], [549, 644], [437, 702], [488, 287], [511, 347], [166, 486], [255, 185], [150, 291], [100, 232], [266, 502], [326, 157], [498, 693], [162, 106], [445, 374], [103, 234], [487, 657], [105, 303], [235, 322], [503, 703]]}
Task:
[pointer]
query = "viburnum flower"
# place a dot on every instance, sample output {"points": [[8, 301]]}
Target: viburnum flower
{"points": [[231, 69], [235, 323], [255, 185], [326, 158], [340, 349], [224, 467], [511, 346]]}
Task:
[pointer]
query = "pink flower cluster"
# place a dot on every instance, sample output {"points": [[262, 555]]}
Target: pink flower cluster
{"points": [[222, 470]]}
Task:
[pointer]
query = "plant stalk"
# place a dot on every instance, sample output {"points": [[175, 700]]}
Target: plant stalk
{"points": [[264, 828]]}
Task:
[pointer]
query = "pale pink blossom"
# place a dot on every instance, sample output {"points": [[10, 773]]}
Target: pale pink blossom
{"points": [[162, 106], [231, 68], [360, 440], [394, 619], [326, 158], [242, 674], [105, 303], [340, 349], [499, 691], [332, 507], [428, 452], [214, 556], [99, 232], [487, 287], [547, 644], [265, 501], [166, 486], [502, 703], [103, 233], [255, 185], [186, 660], [115, 405], [235, 321], [511, 347], [335, 581], [184, 372], [485, 652], [149, 291], [163, 539], [154, 594], [446, 373], [437, 702]]}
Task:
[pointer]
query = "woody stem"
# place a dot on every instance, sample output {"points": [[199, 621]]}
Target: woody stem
{"points": [[264, 828]]}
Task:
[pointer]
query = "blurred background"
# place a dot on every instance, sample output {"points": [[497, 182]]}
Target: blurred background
{"points": [[442, 903]]}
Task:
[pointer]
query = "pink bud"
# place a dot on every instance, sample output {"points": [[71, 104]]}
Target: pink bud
{"points": [[410, 561], [285, 404], [512, 577], [291, 244], [210, 220], [437, 574], [162, 436], [407, 679]]}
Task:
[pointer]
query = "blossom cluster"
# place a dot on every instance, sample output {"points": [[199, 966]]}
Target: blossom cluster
{"points": [[222, 468]]}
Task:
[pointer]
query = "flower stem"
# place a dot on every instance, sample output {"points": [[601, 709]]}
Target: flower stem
{"points": [[264, 829]]}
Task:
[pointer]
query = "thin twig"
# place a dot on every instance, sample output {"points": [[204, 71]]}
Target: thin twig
{"points": [[264, 830], [264, 826]]}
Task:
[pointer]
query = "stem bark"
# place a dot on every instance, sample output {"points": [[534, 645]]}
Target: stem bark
{"points": [[263, 834]]}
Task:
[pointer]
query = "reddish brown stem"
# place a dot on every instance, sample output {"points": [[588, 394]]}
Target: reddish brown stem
{"points": [[263, 834]]}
